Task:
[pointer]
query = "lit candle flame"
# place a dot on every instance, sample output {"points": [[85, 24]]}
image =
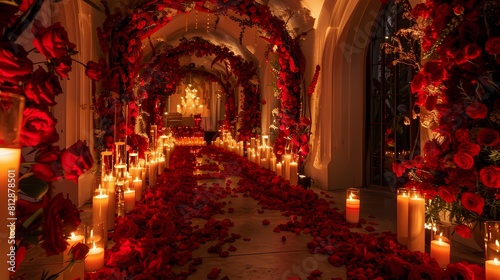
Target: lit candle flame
{"points": [[72, 235], [91, 234], [496, 261], [350, 196], [95, 248]]}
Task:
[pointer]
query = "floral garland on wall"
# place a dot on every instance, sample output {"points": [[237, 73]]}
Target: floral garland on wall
{"points": [[128, 30], [460, 168], [42, 217]]}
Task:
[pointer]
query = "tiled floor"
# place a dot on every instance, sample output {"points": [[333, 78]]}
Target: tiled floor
{"points": [[266, 255]]}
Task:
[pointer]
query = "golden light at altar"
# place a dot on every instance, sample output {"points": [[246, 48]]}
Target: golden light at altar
{"points": [[190, 104]]}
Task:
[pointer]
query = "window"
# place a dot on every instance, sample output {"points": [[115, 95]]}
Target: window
{"points": [[392, 134]]}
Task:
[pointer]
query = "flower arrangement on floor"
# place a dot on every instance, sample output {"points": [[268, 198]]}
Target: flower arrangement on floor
{"points": [[42, 218], [459, 83]]}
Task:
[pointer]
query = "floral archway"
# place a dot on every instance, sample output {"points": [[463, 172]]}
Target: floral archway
{"points": [[128, 28], [164, 71]]}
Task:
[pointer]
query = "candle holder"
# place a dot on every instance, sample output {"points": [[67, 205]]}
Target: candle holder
{"points": [[402, 215], [11, 116], [120, 152], [96, 239], [492, 249], [352, 205], [106, 163], [440, 243]]}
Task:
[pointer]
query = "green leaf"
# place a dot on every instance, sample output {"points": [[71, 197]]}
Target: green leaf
{"points": [[33, 187]]}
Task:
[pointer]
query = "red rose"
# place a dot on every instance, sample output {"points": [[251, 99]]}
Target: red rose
{"points": [[398, 169], [52, 42], [425, 271], [60, 218], [488, 137], [62, 66], [419, 82], [477, 110], [38, 128], [463, 160], [463, 271], [463, 231], [43, 87], [462, 135], [472, 51], [469, 148], [145, 246], [490, 176], [14, 62], [493, 46], [458, 10], [79, 251], [48, 165], [446, 194], [124, 228], [75, 160], [472, 202], [126, 256], [94, 70], [397, 267]]}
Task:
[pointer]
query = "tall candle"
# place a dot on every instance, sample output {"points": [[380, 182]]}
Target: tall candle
{"points": [[152, 173], [352, 206], [279, 169], [78, 269], [402, 216], [272, 164], [95, 259], [264, 163], [441, 252], [286, 167], [492, 269], [100, 204], [129, 200], [293, 173], [416, 220], [137, 184], [109, 185]]}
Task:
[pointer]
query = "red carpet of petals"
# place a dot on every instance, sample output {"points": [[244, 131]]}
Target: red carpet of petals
{"points": [[157, 239]]}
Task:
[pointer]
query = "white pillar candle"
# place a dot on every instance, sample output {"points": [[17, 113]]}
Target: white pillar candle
{"points": [[492, 269], [294, 177], [100, 205], [441, 252], [416, 221], [161, 166], [352, 205], [257, 158], [129, 200], [402, 216], [95, 259], [279, 169], [272, 164], [152, 173], [252, 142], [109, 186], [286, 167], [137, 184], [264, 163]]}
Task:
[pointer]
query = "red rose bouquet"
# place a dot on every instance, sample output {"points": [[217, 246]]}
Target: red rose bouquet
{"points": [[459, 169], [42, 218]]}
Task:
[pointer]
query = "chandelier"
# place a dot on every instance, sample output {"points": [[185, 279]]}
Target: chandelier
{"points": [[190, 104]]}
